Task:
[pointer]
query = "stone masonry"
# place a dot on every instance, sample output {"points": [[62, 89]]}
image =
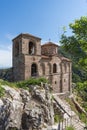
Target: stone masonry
{"points": [[31, 59]]}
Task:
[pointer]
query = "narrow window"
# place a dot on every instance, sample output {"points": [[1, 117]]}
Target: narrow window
{"points": [[31, 48], [55, 82], [34, 70], [54, 68]]}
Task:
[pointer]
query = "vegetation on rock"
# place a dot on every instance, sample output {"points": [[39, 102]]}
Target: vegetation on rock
{"points": [[2, 91], [75, 48], [70, 128], [32, 81]]}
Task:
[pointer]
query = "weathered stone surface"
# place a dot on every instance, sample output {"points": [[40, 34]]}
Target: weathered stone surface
{"points": [[31, 59], [24, 110]]}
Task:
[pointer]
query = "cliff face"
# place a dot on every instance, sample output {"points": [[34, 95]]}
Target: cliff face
{"points": [[24, 110]]}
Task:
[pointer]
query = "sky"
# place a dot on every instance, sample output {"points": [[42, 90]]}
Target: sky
{"points": [[42, 18]]}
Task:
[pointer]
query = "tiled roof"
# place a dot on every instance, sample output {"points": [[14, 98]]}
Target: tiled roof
{"points": [[49, 44]]}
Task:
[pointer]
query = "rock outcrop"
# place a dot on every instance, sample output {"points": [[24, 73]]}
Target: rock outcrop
{"points": [[36, 109], [24, 110]]}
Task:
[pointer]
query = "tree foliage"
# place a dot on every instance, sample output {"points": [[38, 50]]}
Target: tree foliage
{"points": [[75, 48]]}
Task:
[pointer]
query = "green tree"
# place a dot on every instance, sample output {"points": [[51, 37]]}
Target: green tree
{"points": [[75, 48]]}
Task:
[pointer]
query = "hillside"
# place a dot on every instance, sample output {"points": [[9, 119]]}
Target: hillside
{"points": [[26, 106]]}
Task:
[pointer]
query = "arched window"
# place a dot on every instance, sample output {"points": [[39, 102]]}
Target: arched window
{"points": [[16, 49], [34, 70], [31, 48], [54, 68]]}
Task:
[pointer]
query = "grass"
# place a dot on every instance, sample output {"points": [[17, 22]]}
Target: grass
{"points": [[2, 91], [82, 116], [32, 81], [70, 128], [72, 105], [24, 84], [58, 118], [4, 82]]}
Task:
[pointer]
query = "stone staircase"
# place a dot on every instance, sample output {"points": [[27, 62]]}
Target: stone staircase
{"points": [[70, 117]]}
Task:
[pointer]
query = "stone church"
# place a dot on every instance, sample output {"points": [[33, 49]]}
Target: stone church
{"points": [[31, 59]]}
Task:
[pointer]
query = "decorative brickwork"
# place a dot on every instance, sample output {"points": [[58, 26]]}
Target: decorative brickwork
{"points": [[30, 59]]}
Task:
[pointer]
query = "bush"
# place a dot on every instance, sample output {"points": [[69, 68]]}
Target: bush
{"points": [[70, 128], [32, 81], [56, 118], [4, 82], [82, 90]]}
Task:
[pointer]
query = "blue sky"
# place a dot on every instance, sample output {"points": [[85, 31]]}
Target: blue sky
{"points": [[43, 18]]}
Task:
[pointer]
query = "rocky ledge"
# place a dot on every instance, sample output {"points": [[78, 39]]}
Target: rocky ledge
{"points": [[24, 110]]}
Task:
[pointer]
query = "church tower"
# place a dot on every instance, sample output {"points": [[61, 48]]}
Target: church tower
{"points": [[26, 55]]}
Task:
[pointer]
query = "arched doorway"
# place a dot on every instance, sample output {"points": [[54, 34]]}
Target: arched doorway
{"points": [[34, 70]]}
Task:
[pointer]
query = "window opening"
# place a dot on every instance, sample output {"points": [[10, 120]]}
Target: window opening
{"points": [[31, 48], [34, 70], [54, 68]]}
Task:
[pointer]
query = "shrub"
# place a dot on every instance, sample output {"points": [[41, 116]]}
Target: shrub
{"points": [[32, 81], [56, 118], [4, 82], [70, 128], [82, 90]]}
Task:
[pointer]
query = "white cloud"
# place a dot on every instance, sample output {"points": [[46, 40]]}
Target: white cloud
{"points": [[5, 57], [9, 36], [6, 51]]}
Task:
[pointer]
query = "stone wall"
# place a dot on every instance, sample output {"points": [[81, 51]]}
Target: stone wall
{"points": [[30, 56], [49, 49]]}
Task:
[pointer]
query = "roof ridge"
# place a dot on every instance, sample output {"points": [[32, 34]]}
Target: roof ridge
{"points": [[49, 43]]}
